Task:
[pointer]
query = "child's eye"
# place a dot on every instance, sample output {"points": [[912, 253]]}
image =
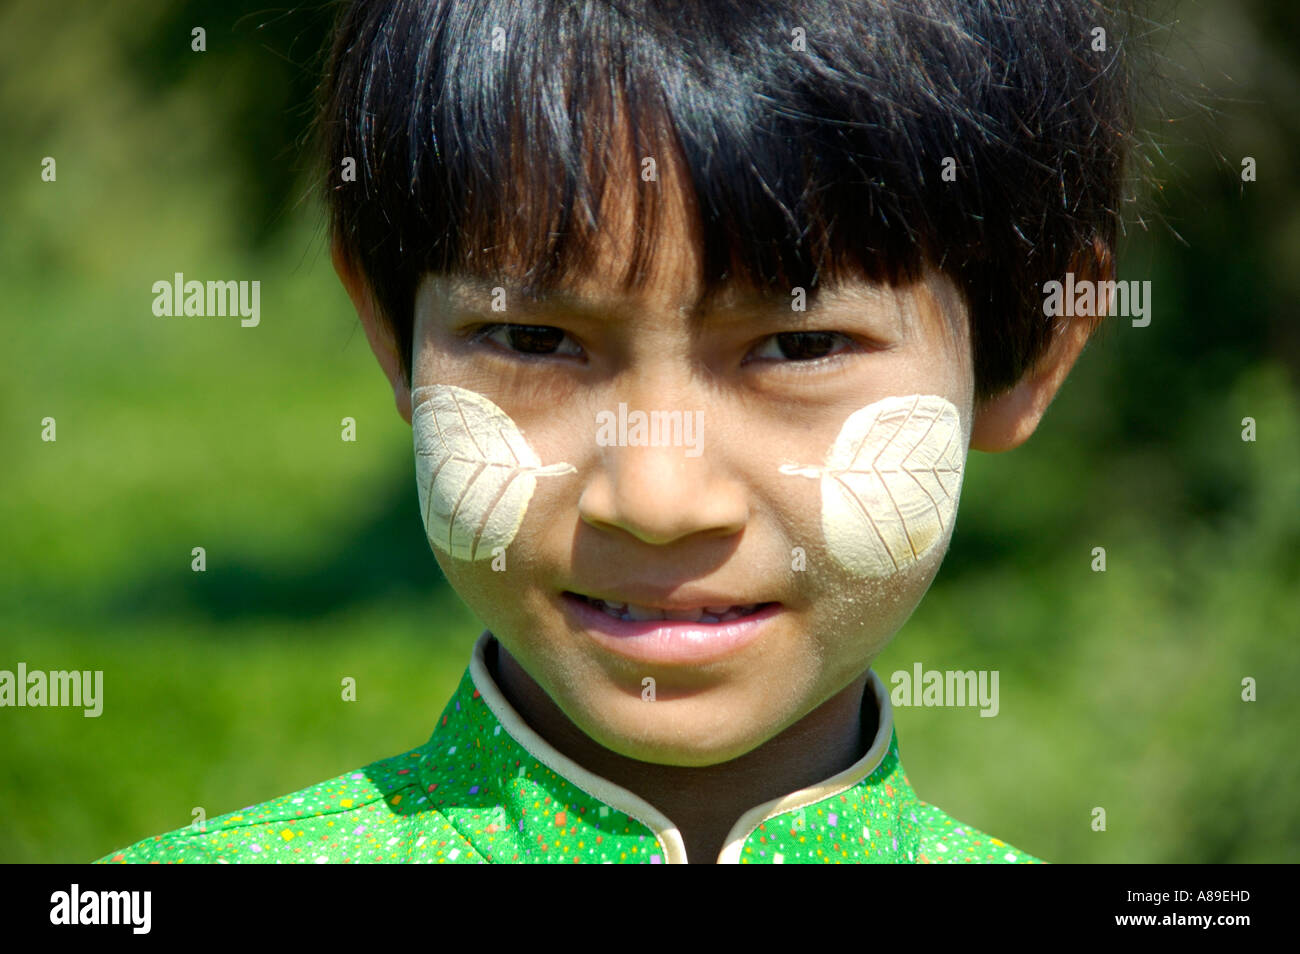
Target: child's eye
{"points": [[800, 345], [528, 339]]}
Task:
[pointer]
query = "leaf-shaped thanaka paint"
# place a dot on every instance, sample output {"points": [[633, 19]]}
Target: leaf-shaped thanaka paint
{"points": [[474, 470], [890, 484]]}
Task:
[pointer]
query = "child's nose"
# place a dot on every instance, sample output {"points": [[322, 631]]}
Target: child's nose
{"points": [[661, 495]]}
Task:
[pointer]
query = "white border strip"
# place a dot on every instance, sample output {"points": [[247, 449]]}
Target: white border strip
{"points": [[631, 804]]}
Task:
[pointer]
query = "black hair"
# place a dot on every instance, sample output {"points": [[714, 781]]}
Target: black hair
{"points": [[800, 164]]}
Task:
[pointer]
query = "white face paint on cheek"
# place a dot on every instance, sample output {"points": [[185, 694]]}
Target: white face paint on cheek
{"points": [[890, 484], [474, 471]]}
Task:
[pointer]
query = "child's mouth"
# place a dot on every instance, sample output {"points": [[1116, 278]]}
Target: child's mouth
{"points": [[633, 612], [683, 636]]}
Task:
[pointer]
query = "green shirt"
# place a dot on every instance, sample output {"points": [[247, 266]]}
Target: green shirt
{"points": [[486, 788]]}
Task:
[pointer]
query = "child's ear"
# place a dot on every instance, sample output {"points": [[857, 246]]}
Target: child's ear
{"points": [[378, 331], [1007, 420]]}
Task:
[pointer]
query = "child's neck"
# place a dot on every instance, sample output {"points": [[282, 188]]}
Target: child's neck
{"points": [[705, 802]]}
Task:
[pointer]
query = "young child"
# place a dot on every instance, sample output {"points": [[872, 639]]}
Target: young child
{"points": [[695, 310]]}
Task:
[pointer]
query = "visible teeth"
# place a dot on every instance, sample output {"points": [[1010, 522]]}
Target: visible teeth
{"points": [[708, 614], [738, 612], [643, 612], [691, 614]]}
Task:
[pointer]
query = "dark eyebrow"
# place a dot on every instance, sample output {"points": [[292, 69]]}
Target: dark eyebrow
{"points": [[748, 305], [469, 289]]}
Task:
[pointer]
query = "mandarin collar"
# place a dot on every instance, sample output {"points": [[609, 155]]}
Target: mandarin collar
{"points": [[870, 817]]}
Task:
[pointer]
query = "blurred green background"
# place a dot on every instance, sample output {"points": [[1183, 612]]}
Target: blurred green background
{"points": [[1119, 689]]}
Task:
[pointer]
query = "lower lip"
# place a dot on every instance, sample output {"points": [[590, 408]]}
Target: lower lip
{"points": [[667, 641]]}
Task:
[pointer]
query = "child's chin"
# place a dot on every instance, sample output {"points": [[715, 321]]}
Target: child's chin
{"points": [[674, 735]]}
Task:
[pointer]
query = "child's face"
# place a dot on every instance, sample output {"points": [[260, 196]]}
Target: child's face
{"points": [[663, 524]]}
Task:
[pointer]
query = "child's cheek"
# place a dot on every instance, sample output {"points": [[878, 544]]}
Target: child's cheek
{"points": [[890, 484], [474, 470]]}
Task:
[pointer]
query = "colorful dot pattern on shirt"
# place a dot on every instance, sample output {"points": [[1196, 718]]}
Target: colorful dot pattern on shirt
{"points": [[472, 795]]}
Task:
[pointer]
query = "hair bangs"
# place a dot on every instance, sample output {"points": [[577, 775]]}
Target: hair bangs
{"points": [[502, 138]]}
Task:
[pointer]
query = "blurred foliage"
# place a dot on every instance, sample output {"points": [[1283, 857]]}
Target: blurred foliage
{"points": [[1119, 689]]}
